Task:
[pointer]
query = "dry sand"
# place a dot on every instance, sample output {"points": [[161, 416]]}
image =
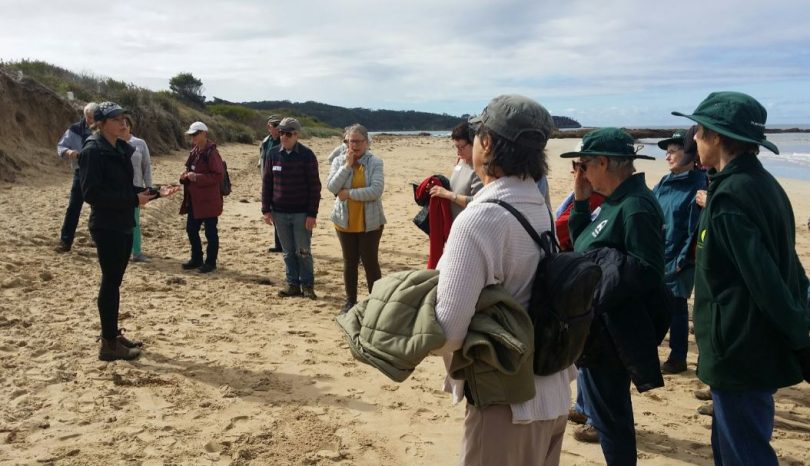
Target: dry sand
{"points": [[232, 374]]}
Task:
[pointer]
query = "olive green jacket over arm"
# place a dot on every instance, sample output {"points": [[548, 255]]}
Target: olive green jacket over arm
{"points": [[395, 328]]}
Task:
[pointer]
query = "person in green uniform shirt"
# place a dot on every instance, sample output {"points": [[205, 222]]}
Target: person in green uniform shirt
{"points": [[750, 314], [631, 221]]}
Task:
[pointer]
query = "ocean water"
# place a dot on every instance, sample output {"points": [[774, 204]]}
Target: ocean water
{"points": [[793, 160]]}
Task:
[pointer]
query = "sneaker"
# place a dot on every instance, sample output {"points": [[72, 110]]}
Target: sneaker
{"points": [[126, 341], [706, 409], [348, 305], [62, 247], [291, 290], [587, 434], [703, 394], [577, 417], [308, 292], [192, 264], [207, 268], [112, 350], [140, 258], [673, 367]]}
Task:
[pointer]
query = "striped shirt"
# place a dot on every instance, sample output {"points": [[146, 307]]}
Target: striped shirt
{"points": [[291, 183]]}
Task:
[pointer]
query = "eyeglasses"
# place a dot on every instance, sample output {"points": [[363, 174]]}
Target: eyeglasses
{"points": [[195, 133], [355, 141], [461, 147], [580, 165], [274, 125], [286, 134], [673, 152]]}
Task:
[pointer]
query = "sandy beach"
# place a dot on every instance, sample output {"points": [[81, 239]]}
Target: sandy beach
{"points": [[232, 374]]}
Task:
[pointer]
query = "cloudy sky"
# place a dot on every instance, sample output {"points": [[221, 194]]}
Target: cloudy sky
{"points": [[627, 62]]}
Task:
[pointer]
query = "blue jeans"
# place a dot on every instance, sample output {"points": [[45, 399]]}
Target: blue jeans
{"points": [[295, 241], [606, 393], [579, 405], [679, 330], [211, 234], [74, 210], [742, 425]]}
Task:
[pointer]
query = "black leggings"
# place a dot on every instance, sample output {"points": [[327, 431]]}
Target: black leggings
{"points": [[113, 248], [357, 246]]}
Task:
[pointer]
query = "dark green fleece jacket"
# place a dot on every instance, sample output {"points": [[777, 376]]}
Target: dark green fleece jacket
{"points": [[750, 288]]}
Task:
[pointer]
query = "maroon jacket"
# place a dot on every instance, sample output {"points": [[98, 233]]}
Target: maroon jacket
{"points": [[203, 194]]}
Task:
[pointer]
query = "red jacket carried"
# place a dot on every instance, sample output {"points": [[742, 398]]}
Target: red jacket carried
{"points": [[439, 217], [203, 194]]}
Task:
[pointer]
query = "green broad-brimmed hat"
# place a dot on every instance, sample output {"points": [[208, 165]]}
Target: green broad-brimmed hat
{"points": [[735, 115], [607, 142], [677, 138]]}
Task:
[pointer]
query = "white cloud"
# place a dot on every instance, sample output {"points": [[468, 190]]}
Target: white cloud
{"points": [[452, 56]]}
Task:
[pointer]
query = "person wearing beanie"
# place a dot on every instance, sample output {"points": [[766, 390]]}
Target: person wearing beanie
{"points": [[750, 315], [676, 195]]}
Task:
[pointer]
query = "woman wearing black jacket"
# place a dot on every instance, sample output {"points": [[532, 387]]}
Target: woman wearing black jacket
{"points": [[106, 181]]}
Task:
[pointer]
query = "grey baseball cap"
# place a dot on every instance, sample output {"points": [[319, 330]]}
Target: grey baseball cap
{"points": [[289, 124], [274, 119], [512, 116]]}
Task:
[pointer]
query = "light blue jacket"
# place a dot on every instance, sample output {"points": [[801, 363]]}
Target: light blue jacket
{"points": [[340, 178]]}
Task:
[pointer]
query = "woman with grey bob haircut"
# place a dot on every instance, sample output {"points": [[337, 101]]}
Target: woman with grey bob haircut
{"points": [[357, 181]]}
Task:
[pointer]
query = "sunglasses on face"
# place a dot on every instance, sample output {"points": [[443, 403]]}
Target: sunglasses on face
{"points": [[287, 134], [580, 165]]}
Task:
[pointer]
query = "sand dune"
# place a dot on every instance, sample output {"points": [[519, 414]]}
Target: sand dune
{"points": [[232, 374]]}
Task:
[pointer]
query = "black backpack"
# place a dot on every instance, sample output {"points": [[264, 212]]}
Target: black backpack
{"points": [[560, 306], [225, 185]]}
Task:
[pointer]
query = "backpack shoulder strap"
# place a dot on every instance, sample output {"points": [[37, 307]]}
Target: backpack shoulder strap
{"points": [[546, 241]]}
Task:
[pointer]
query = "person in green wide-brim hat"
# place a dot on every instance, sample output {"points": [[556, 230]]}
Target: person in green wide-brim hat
{"points": [[607, 142], [750, 311], [629, 220]]}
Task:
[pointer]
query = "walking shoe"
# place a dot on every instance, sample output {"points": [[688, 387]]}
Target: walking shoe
{"points": [[126, 341], [62, 247], [111, 350], [275, 249], [704, 394], [291, 290], [576, 417], [346, 306], [706, 409], [308, 292], [192, 264], [140, 258], [587, 434], [207, 268], [673, 367]]}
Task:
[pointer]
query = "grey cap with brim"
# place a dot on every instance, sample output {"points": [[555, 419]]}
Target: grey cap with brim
{"points": [[607, 142], [513, 116]]}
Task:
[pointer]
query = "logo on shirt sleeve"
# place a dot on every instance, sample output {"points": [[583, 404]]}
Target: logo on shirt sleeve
{"points": [[599, 228], [276, 168]]}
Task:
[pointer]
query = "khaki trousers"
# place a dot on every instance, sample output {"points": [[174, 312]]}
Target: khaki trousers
{"points": [[490, 438]]}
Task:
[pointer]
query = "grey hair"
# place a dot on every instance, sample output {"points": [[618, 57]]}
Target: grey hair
{"points": [[360, 129], [621, 165], [90, 108]]}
